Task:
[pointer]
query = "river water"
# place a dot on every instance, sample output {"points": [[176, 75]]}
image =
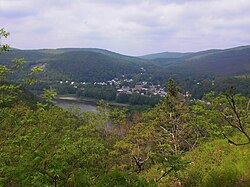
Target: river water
{"points": [[69, 104]]}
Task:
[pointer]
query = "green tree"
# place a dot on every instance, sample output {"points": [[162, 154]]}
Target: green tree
{"points": [[159, 138], [3, 34], [234, 110]]}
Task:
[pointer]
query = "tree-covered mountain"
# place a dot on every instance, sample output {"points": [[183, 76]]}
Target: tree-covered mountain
{"points": [[207, 63], [198, 73], [81, 64], [92, 64]]}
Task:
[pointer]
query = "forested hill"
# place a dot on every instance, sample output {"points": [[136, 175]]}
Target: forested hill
{"points": [[83, 64], [92, 64], [43, 54], [204, 63]]}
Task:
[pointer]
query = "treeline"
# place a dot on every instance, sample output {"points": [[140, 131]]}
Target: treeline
{"points": [[110, 94], [99, 92], [138, 99], [199, 87]]}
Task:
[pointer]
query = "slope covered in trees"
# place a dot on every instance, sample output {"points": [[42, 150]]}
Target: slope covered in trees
{"points": [[197, 73], [105, 64], [92, 66], [207, 63], [79, 64]]}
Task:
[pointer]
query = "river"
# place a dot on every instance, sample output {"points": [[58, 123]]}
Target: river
{"points": [[71, 103]]}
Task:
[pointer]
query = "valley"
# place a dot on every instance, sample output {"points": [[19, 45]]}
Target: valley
{"points": [[107, 93], [71, 70], [92, 117]]}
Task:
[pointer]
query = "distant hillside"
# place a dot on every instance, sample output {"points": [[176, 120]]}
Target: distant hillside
{"points": [[31, 56], [214, 62], [83, 64], [105, 52], [91, 64]]}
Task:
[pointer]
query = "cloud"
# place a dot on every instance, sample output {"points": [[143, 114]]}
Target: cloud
{"points": [[126, 26]]}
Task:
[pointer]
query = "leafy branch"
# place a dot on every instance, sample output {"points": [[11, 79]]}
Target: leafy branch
{"points": [[234, 119]]}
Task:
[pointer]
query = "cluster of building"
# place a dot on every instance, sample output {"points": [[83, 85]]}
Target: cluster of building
{"points": [[142, 88]]}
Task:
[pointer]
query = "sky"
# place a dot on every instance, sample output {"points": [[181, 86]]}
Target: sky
{"points": [[132, 27]]}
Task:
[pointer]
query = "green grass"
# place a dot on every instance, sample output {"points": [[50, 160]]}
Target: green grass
{"points": [[212, 164], [218, 164]]}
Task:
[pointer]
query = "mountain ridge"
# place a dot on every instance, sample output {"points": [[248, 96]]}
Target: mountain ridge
{"points": [[175, 54], [213, 62], [104, 64]]}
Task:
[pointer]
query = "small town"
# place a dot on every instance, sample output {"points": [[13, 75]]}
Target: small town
{"points": [[142, 88]]}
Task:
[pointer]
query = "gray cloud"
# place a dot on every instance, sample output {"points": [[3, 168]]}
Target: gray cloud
{"points": [[125, 26]]}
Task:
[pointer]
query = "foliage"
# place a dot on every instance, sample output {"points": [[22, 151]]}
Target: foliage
{"points": [[218, 164], [50, 147], [236, 116], [157, 138], [123, 98], [231, 112], [121, 179], [100, 92], [56, 147], [8, 91], [5, 34]]}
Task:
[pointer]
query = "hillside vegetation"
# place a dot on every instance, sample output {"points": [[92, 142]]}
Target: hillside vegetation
{"points": [[79, 64], [207, 63], [173, 144], [103, 64]]}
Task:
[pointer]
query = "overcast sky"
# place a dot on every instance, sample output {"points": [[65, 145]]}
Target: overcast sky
{"points": [[133, 27]]}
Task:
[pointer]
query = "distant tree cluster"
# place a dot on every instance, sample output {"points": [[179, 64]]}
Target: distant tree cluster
{"points": [[100, 92]]}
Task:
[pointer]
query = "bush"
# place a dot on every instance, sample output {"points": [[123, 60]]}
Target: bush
{"points": [[123, 179], [218, 164]]}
